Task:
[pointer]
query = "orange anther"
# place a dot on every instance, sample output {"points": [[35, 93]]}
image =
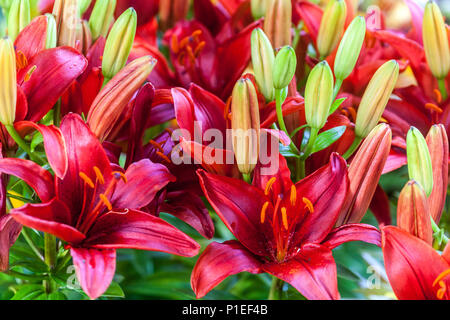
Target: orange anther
{"points": [[190, 54], [438, 95], [156, 145], [86, 179], [199, 48], [269, 185], [29, 73], [352, 112], [308, 204], [263, 211], [120, 175], [21, 60], [162, 155], [105, 201], [196, 34], [432, 106], [284, 218], [184, 42], [99, 175], [174, 44], [443, 289], [293, 196]]}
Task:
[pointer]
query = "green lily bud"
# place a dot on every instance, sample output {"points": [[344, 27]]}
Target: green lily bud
{"points": [[51, 31], [376, 97], [263, 59], [18, 18], [245, 124], [83, 5], [119, 43], [419, 160], [258, 8], [284, 67], [331, 27], [67, 19], [318, 95], [8, 87], [101, 17], [349, 48], [435, 40], [278, 21]]}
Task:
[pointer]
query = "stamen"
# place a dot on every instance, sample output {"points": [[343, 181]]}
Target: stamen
{"points": [[174, 44], [352, 112], [21, 60], [284, 218], [184, 42], [99, 175], [199, 48], [432, 106], [443, 289], [293, 195], [29, 73], [383, 120], [190, 54], [105, 201], [86, 179], [226, 111], [438, 95], [308, 204], [196, 34], [269, 185], [263, 211], [156, 145], [162, 155], [120, 175]]}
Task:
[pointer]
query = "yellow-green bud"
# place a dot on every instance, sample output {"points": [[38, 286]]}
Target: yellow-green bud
{"points": [[18, 18], [376, 97], [119, 43], [67, 21], [102, 17], [278, 21], [331, 27], [349, 48], [263, 58], [284, 67], [435, 40], [8, 81], [419, 160], [258, 8], [51, 32], [318, 95], [245, 125]]}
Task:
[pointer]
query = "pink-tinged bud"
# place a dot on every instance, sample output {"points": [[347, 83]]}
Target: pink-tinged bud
{"points": [[115, 95], [331, 27], [412, 212], [8, 85], [364, 173], [171, 11], [277, 23], [67, 19], [245, 125], [19, 17], [84, 37], [437, 142]]}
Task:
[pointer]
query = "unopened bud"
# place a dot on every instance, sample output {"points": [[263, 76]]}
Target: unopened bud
{"points": [[318, 95], [331, 27], [259, 8], [349, 48], [171, 11], [8, 81], [245, 125], [51, 32], [84, 37], [119, 43], [83, 5], [284, 67], [101, 18], [67, 21], [263, 59], [435, 41], [376, 97], [18, 18], [116, 94], [419, 160], [277, 23]]}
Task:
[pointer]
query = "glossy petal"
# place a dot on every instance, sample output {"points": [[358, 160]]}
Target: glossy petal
{"points": [[311, 14], [380, 207], [95, 269], [219, 261], [32, 38], [353, 232], [9, 231]]}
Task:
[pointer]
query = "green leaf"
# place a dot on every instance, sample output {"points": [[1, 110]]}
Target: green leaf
{"points": [[336, 104], [28, 292], [287, 152], [114, 291], [57, 296], [36, 140], [326, 138]]}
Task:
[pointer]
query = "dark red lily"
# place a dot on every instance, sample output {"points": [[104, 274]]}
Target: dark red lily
{"points": [[415, 270], [94, 208], [282, 228]]}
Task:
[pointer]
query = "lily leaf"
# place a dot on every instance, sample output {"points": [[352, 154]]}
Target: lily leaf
{"points": [[28, 292], [287, 152], [336, 104], [326, 138]]}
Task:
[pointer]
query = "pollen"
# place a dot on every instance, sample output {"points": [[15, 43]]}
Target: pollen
{"points": [[120, 175], [293, 196], [284, 218], [263, 211], [105, 201], [432, 106], [269, 185], [174, 44], [438, 95], [21, 60], [308, 204], [443, 289], [86, 179], [99, 175], [29, 73]]}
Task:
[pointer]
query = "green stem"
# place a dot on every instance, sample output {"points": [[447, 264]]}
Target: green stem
{"points": [[21, 143], [352, 148], [312, 139], [438, 233], [441, 83], [278, 103], [300, 172], [337, 87], [247, 177], [276, 289], [50, 250], [31, 244]]}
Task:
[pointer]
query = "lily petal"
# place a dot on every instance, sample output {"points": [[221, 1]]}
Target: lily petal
{"points": [[32, 38], [353, 232], [9, 231]]}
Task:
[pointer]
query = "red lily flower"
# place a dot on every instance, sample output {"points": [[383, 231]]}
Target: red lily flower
{"points": [[96, 209], [414, 269], [282, 228]]}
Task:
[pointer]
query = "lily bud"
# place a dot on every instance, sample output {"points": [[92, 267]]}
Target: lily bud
{"points": [[116, 94], [263, 59], [8, 81], [245, 125], [364, 173], [331, 27], [349, 48], [51, 32], [83, 5], [277, 23], [67, 21], [376, 97], [419, 160], [84, 37], [101, 18], [284, 67], [318, 95], [18, 18], [119, 43], [258, 8], [437, 142], [435, 40], [171, 11], [413, 215]]}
